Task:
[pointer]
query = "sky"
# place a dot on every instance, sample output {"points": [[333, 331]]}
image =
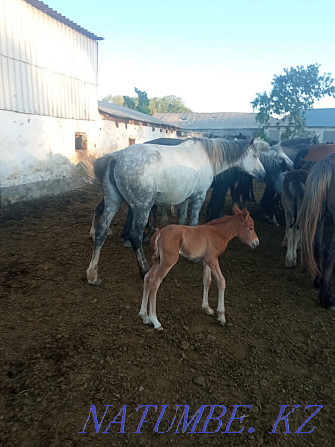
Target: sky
{"points": [[214, 54]]}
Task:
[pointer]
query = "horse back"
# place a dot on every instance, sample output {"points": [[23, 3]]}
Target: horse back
{"points": [[315, 153]]}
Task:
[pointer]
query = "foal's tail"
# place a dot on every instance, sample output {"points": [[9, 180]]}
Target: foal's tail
{"points": [[312, 207], [154, 245]]}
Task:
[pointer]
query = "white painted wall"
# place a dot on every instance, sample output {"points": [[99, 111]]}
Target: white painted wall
{"points": [[117, 137], [38, 156]]}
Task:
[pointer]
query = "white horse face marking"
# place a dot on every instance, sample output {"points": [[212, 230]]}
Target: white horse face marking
{"points": [[252, 165]]}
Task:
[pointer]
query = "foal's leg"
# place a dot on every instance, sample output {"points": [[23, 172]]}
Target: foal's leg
{"points": [[156, 276], [221, 283], [143, 313], [112, 204], [152, 281], [207, 282]]}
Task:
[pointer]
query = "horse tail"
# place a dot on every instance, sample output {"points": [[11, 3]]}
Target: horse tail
{"points": [[312, 206], [102, 164], [297, 190], [154, 245]]}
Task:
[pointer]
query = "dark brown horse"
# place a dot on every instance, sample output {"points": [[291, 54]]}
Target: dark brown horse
{"points": [[312, 154], [318, 251]]}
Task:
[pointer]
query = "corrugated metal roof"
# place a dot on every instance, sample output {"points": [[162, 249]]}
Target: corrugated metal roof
{"points": [[320, 118], [123, 112], [221, 120], [236, 120], [56, 15]]}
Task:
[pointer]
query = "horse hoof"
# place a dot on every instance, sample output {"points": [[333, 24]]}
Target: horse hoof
{"points": [[222, 322], [209, 311], [160, 328], [145, 319], [332, 307], [96, 282], [127, 243]]}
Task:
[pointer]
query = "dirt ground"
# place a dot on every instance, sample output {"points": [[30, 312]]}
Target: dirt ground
{"points": [[66, 345]]}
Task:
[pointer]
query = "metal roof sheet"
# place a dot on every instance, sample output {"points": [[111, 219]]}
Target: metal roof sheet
{"points": [[236, 120], [56, 15], [123, 112], [221, 120], [320, 117]]}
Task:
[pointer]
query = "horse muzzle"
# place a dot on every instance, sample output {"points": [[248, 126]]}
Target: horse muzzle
{"points": [[254, 243], [260, 175]]}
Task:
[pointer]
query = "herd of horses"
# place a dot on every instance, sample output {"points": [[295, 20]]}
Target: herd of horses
{"points": [[178, 172]]}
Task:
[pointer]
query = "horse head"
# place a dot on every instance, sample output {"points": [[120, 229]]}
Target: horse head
{"points": [[246, 232], [251, 163]]}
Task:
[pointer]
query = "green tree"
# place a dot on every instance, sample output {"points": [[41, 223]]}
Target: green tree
{"points": [[129, 102], [169, 103], [142, 101], [291, 96], [114, 99]]}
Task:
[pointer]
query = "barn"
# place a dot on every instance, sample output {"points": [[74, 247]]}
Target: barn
{"points": [[319, 122], [51, 125]]}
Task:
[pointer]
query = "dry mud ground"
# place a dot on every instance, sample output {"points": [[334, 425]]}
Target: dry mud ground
{"points": [[66, 345]]}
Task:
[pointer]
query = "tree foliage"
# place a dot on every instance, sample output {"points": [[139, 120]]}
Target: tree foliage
{"points": [[118, 99], [129, 102], [169, 103], [291, 96], [142, 103]]}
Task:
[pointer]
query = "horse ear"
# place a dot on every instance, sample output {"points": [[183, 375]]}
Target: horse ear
{"points": [[252, 141], [236, 209], [245, 214]]}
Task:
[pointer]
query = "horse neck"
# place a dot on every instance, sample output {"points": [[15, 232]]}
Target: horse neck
{"points": [[218, 168], [228, 226]]}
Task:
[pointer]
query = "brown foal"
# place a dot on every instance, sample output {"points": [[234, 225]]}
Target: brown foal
{"points": [[206, 242]]}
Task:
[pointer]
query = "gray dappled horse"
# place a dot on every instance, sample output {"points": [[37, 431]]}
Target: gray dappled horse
{"points": [[148, 174]]}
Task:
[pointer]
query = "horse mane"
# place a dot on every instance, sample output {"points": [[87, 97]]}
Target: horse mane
{"points": [[260, 145], [223, 150], [220, 220], [272, 167]]}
